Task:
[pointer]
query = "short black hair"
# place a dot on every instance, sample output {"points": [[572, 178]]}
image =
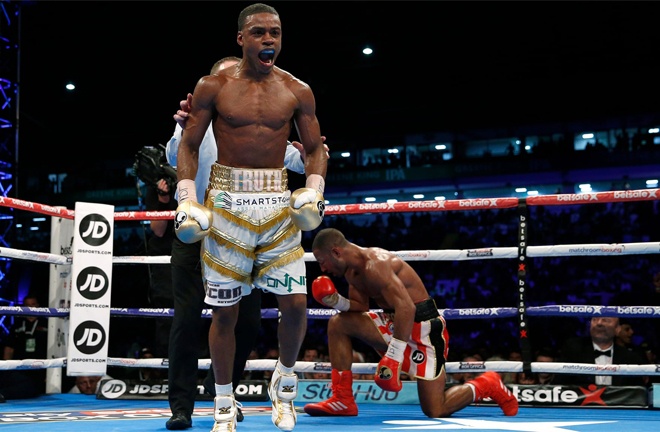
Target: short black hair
{"points": [[254, 9]]}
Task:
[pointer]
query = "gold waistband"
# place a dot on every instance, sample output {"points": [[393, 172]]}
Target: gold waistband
{"points": [[248, 180]]}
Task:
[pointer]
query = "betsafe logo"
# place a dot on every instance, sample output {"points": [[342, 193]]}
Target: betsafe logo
{"points": [[89, 337], [94, 230], [92, 283]]}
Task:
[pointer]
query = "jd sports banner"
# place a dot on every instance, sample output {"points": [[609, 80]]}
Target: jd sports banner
{"points": [[90, 294]]}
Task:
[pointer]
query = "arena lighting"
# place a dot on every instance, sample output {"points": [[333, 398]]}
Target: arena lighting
{"points": [[38, 219], [370, 199], [585, 187], [587, 136], [418, 196], [532, 193], [346, 154], [367, 51], [70, 86], [521, 189], [440, 147], [654, 130], [391, 201], [393, 151], [652, 183], [439, 198]]}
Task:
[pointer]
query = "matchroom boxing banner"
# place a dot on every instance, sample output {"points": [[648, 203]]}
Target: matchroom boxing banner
{"points": [[89, 320]]}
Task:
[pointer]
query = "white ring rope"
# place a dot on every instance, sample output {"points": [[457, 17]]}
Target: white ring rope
{"points": [[597, 249], [364, 368]]}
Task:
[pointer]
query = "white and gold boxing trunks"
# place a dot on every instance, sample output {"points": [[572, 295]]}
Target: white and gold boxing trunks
{"points": [[253, 241]]}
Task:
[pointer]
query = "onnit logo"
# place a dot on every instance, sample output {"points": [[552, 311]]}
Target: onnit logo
{"points": [[112, 389], [94, 229], [92, 283], [89, 337]]}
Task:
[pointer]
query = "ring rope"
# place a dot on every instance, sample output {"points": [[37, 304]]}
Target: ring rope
{"points": [[362, 368], [398, 207], [595, 249], [583, 311]]}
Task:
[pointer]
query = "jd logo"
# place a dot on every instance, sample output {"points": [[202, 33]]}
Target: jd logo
{"points": [[89, 337], [417, 357], [112, 389], [94, 229], [92, 283]]}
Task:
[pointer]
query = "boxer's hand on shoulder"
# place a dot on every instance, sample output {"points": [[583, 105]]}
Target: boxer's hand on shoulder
{"points": [[181, 115], [307, 208], [298, 145], [324, 292]]}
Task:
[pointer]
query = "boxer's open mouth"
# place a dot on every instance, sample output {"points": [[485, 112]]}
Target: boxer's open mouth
{"points": [[267, 55]]}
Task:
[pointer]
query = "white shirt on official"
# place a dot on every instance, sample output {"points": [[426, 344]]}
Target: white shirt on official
{"points": [[604, 360]]}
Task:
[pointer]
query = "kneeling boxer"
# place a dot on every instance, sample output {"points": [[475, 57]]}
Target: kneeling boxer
{"points": [[409, 334]]}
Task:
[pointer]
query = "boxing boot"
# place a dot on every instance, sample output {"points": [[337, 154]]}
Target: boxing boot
{"points": [[490, 385], [341, 403], [224, 413], [282, 390]]}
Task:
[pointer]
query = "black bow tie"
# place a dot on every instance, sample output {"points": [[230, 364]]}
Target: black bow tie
{"points": [[598, 353]]}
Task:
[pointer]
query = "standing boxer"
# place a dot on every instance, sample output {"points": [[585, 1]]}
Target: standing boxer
{"points": [[250, 232]]}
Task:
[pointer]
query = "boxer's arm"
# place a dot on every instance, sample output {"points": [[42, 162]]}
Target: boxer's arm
{"points": [[193, 221]]}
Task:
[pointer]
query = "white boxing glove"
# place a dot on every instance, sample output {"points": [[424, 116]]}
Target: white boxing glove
{"points": [[192, 221], [307, 208]]}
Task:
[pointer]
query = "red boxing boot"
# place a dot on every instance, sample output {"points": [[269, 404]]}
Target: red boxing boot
{"points": [[341, 403], [489, 384]]}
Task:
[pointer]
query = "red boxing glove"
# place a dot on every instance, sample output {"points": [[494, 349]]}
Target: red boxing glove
{"points": [[323, 287], [387, 375], [324, 292]]}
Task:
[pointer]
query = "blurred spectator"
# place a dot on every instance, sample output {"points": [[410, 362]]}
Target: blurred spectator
{"points": [[624, 337], [251, 374], [310, 354], [149, 373], [271, 354], [358, 357], [27, 339], [88, 384], [599, 348], [543, 355], [511, 377]]}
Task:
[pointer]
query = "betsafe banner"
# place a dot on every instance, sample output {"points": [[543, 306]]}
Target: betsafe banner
{"points": [[367, 392], [527, 395]]}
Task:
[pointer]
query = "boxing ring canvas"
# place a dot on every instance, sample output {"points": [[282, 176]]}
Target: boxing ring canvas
{"points": [[75, 412]]}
